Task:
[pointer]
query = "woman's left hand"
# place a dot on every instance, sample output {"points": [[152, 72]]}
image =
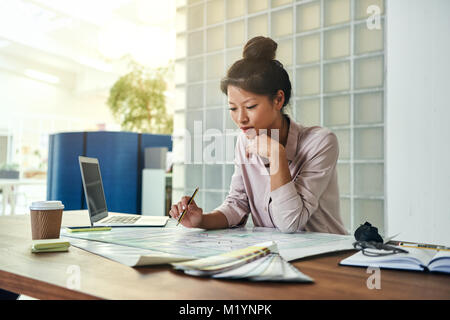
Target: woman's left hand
{"points": [[263, 146]]}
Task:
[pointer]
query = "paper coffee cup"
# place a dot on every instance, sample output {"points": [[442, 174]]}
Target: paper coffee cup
{"points": [[46, 219]]}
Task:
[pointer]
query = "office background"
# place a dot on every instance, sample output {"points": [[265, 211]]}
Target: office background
{"points": [[336, 65], [378, 78]]}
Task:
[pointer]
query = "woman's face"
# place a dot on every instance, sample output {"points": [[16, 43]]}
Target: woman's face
{"points": [[253, 111]]}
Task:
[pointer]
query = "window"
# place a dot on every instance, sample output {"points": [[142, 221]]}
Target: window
{"points": [[336, 66]]}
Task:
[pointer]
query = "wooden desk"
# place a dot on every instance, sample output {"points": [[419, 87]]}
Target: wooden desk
{"points": [[45, 276]]}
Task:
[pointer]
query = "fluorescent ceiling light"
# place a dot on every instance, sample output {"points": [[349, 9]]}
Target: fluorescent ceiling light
{"points": [[41, 76]]}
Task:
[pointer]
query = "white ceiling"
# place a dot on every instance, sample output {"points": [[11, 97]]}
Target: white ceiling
{"points": [[72, 36]]}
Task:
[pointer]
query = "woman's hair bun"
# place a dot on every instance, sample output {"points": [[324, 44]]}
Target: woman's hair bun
{"points": [[260, 48], [258, 71]]}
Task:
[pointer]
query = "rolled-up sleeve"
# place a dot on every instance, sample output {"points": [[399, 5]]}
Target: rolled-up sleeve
{"points": [[293, 203]]}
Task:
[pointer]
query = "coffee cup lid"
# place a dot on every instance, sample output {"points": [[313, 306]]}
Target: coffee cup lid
{"points": [[46, 205]]}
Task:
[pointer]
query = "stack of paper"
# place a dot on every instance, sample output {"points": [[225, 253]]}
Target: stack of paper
{"points": [[258, 263], [49, 245]]}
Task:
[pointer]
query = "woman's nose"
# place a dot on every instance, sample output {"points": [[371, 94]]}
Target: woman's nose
{"points": [[242, 116]]}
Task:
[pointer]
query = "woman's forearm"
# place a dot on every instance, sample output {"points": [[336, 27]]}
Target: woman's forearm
{"points": [[279, 170], [214, 220]]}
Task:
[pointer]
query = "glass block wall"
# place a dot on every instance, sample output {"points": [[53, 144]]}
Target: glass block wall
{"points": [[333, 51]]}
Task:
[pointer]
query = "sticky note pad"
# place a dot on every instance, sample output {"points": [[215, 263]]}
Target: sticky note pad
{"points": [[49, 245]]}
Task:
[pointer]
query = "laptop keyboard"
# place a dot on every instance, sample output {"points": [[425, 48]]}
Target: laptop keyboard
{"points": [[122, 219]]}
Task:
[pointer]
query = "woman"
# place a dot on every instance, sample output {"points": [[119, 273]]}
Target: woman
{"points": [[285, 174]]}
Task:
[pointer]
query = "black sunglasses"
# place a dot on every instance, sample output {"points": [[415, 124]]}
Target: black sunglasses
{"points": [[364, 245]]}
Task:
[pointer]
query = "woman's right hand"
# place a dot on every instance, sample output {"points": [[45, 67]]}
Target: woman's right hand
{"points": [[193, 216]]}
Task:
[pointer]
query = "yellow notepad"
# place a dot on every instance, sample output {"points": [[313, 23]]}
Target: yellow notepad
{"points": [[49, 245]]}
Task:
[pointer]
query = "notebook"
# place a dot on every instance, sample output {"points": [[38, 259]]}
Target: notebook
{"points": [[415, 259]]}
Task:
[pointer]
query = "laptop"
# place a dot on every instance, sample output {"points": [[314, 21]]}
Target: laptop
{"points": [[96, 202]]}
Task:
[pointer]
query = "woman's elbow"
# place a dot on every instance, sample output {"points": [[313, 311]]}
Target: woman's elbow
{"points": [[292, 227], [287, 229], [292, 220]]}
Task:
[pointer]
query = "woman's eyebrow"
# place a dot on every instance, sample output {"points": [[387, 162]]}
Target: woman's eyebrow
{"points": [[243, 102]]}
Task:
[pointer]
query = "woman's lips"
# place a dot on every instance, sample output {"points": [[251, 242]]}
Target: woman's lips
{"points": [[250, 132], [245, 129]]}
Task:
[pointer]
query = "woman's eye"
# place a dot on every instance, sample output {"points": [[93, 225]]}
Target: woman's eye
{"points": [[248, 108]]}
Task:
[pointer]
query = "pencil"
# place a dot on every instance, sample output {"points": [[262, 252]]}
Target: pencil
{"points": [[423, 246], [189, 202]]}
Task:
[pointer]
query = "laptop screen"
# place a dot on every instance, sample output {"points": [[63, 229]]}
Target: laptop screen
{"points": [[94, 193]]}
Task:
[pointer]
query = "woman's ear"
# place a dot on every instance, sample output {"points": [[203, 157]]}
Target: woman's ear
{"points": [[279, 99]]}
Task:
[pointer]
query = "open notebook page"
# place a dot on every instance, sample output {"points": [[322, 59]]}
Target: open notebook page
{"points": [[415, 259]]}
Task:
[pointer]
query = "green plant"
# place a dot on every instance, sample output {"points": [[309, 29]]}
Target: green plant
{"points": [[9, 166], [138, 102]]}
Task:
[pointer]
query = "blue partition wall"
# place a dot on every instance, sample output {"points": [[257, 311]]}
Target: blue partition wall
{"points": [[63, 174], [121, 157]]}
